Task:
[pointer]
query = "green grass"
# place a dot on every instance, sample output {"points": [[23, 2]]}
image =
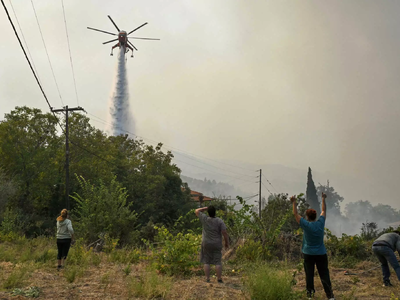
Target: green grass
{"points": [[264, 282]]}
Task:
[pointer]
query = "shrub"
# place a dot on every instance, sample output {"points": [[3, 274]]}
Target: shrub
{"points": [[177, 254], [103, 209], [13, 222], [266, 283], [348, 249]]}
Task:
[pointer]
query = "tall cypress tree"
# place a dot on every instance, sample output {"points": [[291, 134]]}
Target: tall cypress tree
{"points": [[311, 193]]}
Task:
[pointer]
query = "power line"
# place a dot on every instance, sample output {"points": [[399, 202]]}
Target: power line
{"points": [[70, 55], [48, 57], [266, 188], [23, 37], [26, 56], [270, 183]]}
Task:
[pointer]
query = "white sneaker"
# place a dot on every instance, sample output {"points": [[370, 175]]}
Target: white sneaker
{"points": [[331, 298]]}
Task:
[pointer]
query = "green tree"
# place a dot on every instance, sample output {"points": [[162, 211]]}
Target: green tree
{"points": [[311, 193], [8, 190], [30, 150]]}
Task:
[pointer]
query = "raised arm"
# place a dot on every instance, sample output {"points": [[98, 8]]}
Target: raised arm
{"points": [[323, 212], [296, 215], [201, 209]]}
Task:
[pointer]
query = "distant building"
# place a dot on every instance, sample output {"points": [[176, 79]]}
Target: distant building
{"points": [[200, 198]]}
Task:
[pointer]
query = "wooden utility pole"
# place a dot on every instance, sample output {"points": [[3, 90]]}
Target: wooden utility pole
{"points": [[66, 110], [259, 197]]}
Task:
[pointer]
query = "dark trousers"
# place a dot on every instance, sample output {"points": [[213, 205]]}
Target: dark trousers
{"points": [[386, 256], [322, 266], [63, 248]]}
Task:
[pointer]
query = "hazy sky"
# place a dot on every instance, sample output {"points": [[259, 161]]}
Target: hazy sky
{"points": [[296, 83]]}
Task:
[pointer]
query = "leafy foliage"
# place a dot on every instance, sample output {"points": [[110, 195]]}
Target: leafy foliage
{"points": [[103, 209], [176, 254]]}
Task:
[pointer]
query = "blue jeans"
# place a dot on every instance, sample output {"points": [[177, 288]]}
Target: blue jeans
{"points": [[385, 256]]}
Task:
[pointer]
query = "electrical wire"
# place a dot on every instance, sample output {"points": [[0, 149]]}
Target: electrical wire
{"points": [[26, 56], [266, 188], [48, 57], [70, 55], [23, 38], [270, 183]]}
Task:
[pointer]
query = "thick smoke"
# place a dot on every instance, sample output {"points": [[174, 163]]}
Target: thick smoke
{"points": [[121, 118]]}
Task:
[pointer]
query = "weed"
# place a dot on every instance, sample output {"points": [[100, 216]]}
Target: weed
{"points": [[350, 295], [72, 272], [31, 292], [127, 269], [16, 278], [95, 259], [355, 280], [393, 297], [267, 283], [105, 279], [150, 285]]}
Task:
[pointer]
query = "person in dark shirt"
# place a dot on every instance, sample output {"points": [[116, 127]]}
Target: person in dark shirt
{"points": [[313, 248], [213, 230], [384, 247]]}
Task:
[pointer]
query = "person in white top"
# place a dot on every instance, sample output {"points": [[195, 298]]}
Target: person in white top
{"points": [[65, 233]]}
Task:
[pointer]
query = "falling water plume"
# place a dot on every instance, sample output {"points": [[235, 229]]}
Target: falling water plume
{"points": [[121, 118]]}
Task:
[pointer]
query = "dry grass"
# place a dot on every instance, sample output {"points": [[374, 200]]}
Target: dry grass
{"points": [[364, 286], [109, 281]]}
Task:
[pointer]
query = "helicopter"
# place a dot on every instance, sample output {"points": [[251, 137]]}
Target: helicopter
{"points": [[123, 38]]}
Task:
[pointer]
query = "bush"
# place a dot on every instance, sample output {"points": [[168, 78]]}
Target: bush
{"points": [[266, 283], [104, 210], [348, 249], [177, 254]]}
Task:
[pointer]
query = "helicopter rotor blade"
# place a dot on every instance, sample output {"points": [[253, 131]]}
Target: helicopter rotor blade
{"points": [[132, 45], [140, 38], [137, 28], [113, 23], [110, 41], [101, 31]]}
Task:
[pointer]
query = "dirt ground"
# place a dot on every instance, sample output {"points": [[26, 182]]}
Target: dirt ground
{"points": [[108, 281]]}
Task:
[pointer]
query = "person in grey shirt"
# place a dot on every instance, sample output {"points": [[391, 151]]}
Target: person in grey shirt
{"points": [[384, 247], [211, 246], [65, 233]]}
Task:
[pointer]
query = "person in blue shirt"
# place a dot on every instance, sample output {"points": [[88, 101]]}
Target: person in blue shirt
{"points": [[313, 248]]}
